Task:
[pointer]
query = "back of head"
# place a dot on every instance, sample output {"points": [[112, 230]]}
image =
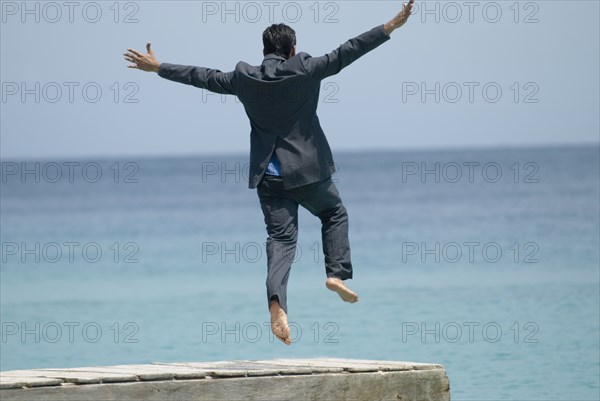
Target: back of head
{"points": [[279, 39]]}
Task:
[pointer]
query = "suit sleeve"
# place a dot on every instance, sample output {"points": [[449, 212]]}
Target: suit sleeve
{"points": [[200, 77], [332, 63]]}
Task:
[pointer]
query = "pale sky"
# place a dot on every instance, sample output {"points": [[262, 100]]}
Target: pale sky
{"points": [[464, 74]]}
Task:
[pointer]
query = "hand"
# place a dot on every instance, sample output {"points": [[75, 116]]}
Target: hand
{"points": [[144, 62], [400, 19]]}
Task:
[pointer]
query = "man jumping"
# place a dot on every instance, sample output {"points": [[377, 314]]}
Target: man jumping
{"points": [[290, 160]]}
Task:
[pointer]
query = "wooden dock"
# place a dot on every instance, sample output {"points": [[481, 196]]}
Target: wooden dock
{"points": [[278, 379]]}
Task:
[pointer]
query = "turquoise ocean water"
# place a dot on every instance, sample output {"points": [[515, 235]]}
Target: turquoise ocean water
{"points": [[486, 261]]}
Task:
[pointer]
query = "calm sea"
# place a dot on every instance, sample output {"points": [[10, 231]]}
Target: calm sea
{"points": [[486, 261]]}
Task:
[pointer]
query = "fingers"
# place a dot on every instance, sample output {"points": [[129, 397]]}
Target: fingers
{"points": [[285, 337], [131, 57], [406, 11], [135, 52], [149, 48]]}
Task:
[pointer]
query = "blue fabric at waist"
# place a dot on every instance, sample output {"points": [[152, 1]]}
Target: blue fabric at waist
{"points": [[274, 167]]}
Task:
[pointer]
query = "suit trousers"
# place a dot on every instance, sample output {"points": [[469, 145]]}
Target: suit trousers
{"points": [[280, 209]]}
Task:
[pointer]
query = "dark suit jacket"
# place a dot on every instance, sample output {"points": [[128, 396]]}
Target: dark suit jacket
{"points": [[280, 98]]}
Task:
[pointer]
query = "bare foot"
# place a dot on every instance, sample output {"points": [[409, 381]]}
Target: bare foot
{"points": [[337, 285], [279, 323]]}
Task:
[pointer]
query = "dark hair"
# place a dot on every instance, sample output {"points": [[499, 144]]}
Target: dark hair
{"points": [[279, 39]]}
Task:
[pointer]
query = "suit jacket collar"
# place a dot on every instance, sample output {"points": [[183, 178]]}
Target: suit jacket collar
{"points": [[272, 56]]}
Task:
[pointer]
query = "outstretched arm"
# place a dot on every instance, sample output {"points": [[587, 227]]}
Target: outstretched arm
{"points": [[348, 52], [200, 77]]}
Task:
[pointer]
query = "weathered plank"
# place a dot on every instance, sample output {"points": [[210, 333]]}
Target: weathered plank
{"points": [[280, 379], [16, 381]]}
